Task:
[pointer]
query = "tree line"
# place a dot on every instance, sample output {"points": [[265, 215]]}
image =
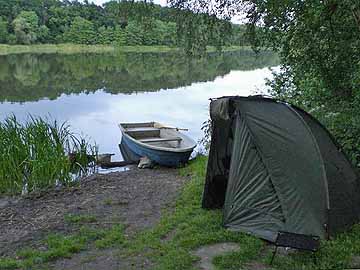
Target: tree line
{"points": [[116, 22]]}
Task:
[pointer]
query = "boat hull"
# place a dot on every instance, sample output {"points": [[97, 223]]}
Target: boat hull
{"points": [[164, 158]]}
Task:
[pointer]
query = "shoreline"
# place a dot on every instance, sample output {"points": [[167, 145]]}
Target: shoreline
{"points": [[78, 48]]}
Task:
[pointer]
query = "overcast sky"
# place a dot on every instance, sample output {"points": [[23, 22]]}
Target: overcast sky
{"points": [[100, 2]]}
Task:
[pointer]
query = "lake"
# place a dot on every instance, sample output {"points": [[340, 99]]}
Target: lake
{"points": [[95, 92]]}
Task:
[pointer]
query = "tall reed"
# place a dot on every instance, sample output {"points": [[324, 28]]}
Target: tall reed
{"points": [[35, 155]]}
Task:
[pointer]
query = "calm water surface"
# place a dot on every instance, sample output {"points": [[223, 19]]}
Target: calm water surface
{"points": [[93, 93]]}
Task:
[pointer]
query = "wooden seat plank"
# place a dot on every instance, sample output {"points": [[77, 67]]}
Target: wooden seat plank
{"points": [[149, 140], [143, 132]]}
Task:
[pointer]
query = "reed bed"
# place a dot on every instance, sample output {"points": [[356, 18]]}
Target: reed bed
{"points": [[35, 155]]}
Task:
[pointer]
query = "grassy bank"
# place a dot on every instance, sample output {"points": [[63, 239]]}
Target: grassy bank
{"points": [[169, 245], [75, 49], [52, 48]]}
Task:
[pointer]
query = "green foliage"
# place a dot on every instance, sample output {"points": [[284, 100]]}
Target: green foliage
{"points": [[146, 23], [120, 36], [11, 39], [35, 155], [196, 32], [106, 35], [25, 27], [3, 30], [43, 34], [81, 31], [134, 34]]}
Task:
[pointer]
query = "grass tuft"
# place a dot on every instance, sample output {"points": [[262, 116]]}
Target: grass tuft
{"points": [[9, 264], [35, 155], [113, 237], [71, 218]]}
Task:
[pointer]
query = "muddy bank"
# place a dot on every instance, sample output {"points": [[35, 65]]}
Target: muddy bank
{"points": [[134, 198]]}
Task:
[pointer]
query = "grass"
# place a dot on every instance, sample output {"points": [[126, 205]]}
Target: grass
{"points": [[77, 48], [35, 155], [113, 237], [54, 48], [108, 201], [57, 246], [78, 219]]}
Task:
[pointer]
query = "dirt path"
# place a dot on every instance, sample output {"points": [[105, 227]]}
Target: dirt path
{"points": [[134, 198]]}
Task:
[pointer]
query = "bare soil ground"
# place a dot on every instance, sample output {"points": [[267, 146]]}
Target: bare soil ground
{"points": [[135, 198]]}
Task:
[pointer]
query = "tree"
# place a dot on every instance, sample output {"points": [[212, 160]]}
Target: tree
{"points": [[25, 27], [58, 21], [81, 31], [43, 34], [3, 30], [169, 37], [120, 36], [106, 35], [134, 34]]}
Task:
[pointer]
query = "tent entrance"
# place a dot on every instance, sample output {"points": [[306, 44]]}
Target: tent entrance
{"points": [[251, 202]]}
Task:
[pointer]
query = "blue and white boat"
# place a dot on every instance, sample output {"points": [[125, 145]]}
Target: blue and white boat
{"points": [[163, 145]]}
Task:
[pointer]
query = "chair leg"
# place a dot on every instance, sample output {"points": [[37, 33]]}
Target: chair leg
{"points": [[273, 256]]}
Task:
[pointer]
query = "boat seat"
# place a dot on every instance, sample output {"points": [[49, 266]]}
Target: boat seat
{"points": [[150, 140], [143, 132]]}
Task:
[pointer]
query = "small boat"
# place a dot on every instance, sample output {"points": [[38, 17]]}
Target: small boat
{"points": [[163, 145]]}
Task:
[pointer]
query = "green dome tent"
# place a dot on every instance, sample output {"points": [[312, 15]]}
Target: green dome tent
{"points": [[273, 167]]}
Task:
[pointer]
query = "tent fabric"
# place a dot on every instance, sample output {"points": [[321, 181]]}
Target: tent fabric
{"points": [[251, 202], [273, 167], [344, 198], [219, 155]]}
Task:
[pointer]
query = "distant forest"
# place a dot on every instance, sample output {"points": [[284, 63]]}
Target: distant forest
{"points": [[116, 22]]}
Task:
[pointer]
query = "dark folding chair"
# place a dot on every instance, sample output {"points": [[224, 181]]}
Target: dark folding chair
{"points": [[297, 241]]}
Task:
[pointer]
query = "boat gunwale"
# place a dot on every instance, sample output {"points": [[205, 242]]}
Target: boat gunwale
{"points": [[159, 148]]}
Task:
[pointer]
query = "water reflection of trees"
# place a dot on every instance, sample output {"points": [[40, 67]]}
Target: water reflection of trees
{"points": [[33, 77]]}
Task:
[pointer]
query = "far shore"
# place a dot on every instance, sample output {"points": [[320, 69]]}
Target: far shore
{"points": [[78, 48]]}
